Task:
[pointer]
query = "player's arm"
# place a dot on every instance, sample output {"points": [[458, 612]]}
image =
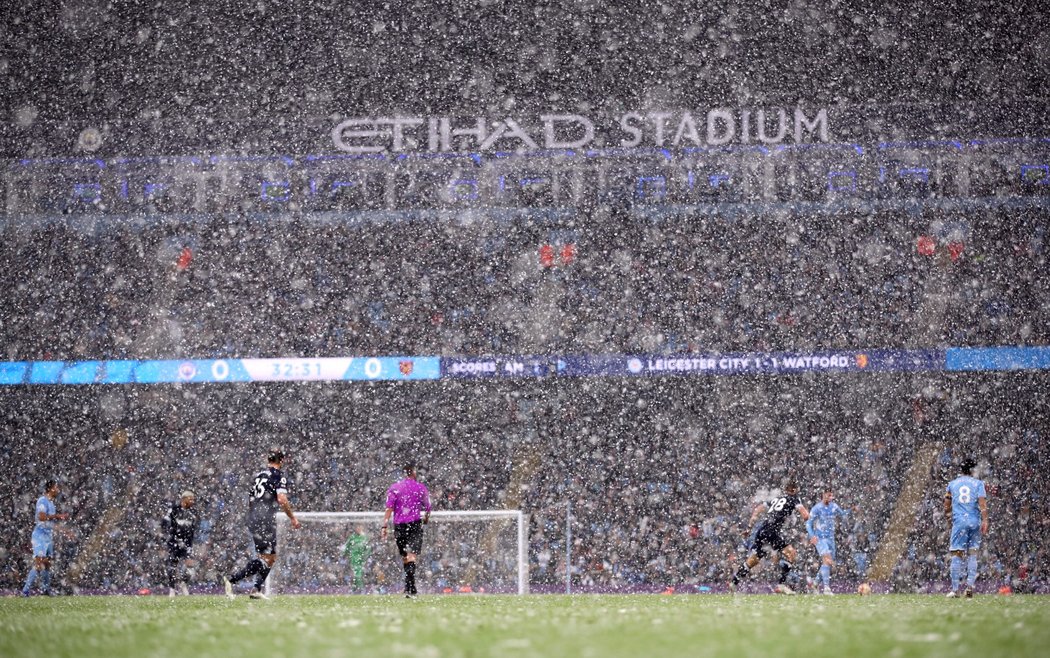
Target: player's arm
{"points": [[803, 512], [809, 531], [426, 506], [755, 513], [982, 504], [391, 501], [948, 506], [386, 519], [44, 516], [286, 507]]}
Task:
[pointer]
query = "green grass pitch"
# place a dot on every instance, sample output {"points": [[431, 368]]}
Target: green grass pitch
{"points": [[600, 626]]}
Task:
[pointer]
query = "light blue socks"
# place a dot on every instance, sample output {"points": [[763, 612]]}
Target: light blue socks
{"points": [[29, 581], [956, 571]]}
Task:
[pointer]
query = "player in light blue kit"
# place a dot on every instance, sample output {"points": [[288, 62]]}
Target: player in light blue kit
{"points": [[43, 539], [966, 506], [821, 530]]}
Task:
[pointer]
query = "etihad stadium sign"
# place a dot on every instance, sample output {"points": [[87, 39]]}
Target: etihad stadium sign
{"points": [[677, 129]]}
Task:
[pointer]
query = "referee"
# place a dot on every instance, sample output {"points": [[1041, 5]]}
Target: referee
{"points": [[408, 501]]}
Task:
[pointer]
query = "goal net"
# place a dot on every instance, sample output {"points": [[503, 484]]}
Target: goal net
{"points": [[342, 552]]}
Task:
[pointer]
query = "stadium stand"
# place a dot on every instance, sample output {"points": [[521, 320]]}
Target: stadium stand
{"points": [[292, 288], [661, 476], [658, 475]]}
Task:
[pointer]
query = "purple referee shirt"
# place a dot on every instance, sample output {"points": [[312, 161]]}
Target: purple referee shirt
{"points": [[407, 498]]}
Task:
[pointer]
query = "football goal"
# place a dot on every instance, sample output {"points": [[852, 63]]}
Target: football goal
{"points": [[342, 552]]}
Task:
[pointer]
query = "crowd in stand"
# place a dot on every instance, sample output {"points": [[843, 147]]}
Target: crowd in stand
{"points": [[659, 478], [656, 478], [610, 282]]}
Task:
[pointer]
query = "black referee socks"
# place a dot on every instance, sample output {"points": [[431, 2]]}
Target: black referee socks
{"points": [[410, 577]]}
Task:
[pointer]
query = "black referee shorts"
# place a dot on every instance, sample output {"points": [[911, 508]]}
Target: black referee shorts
{"points": [[768, 537], [409, 537]]}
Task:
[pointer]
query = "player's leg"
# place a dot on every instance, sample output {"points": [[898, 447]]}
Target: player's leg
{"points": [[956, 547], [788, 556], [413, 546], [41, 553], [359, 576], [263, 548], [30, 579], [38, 567], [971, 573], [177, 569], [409, 563], [267, 549], [955, 571], [171, 568], [268, 560], [826, 550], [254, 567], [973, 542], [408, 560], [753, 558], [409, 539], [184, 580], [825, 572], [45, 574], [756, 545]]}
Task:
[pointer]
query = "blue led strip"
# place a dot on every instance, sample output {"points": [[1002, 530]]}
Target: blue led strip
{"points": [[13, 373], [200, 371], [997, 358], [420, 368], [679, 365]]}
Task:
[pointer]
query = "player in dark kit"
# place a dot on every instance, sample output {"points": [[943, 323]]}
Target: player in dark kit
{"points": [[181, 523], [269, 493], [768, 534]]}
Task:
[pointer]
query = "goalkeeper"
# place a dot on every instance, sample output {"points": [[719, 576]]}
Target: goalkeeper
{"points": [[357, 551]]}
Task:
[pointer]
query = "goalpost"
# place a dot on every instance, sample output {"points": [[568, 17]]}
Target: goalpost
{"points": [[341, 552]]}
